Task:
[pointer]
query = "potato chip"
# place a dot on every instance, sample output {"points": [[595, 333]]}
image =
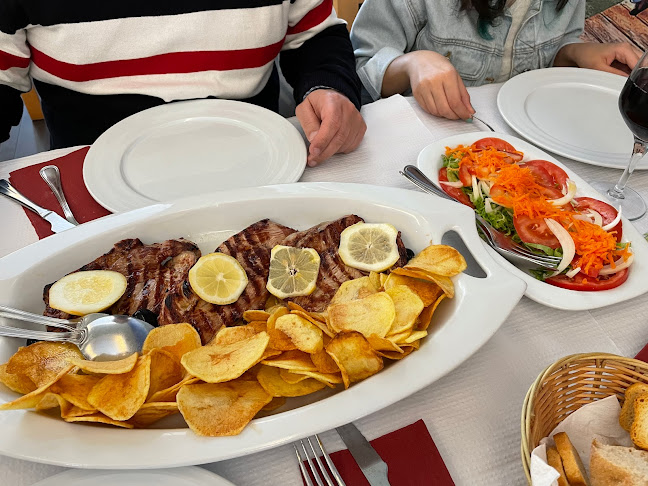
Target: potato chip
{"points": [[178, 339], [68, 410], [290, 377], [408, 306], [120, 396], [415, 336], [106, 367], [302, 333], [427, 291], [16, 381], [315, 319], [169, 394], [99, 418], [425, 318], [255, 315], [292, 360], [229, 335], [440, 260], [324, 363], [396, 356], [75, 389], [50, 400], [382, 344], [152, 412], [221, 409], [371, 315], [355, 357], [444, 282], [42, 361], [375, 279], [278, 339], [355, 289], [272, 304], [224, 362], [399, 337], [33, 398], [274, 404], [166, 371], [329, 379], [270, 379]]}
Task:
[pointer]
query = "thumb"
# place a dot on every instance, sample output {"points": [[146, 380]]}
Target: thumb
{"points": [[308, 119]]}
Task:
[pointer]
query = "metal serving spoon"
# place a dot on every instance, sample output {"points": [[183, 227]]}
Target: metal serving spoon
{"points": [[100, 337]]}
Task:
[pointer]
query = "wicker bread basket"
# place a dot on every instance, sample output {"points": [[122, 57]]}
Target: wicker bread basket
{"points": [[567, 385]]}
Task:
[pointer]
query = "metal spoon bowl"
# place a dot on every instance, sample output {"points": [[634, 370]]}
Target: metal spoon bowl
{"points": [[100, 337]]}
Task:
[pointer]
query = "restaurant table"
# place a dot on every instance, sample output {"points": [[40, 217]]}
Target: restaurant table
{"points": [[472, 413]]}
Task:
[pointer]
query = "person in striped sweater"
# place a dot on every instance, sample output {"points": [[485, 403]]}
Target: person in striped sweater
{"points": [[95, 63]]}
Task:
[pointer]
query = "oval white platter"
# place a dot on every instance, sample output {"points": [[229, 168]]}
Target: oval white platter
{"points": [[429, 161], [462, 326]]}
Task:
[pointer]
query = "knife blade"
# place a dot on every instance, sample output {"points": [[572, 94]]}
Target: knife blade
{"points": [[57, 223], [371, 464]]}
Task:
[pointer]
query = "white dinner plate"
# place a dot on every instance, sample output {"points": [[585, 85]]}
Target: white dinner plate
{"points": [[572, 112], [462, 324], [182, 476], [429, 161], [191, 147]]}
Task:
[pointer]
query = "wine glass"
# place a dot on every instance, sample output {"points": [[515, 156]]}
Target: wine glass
{"points": [[633, 104]]}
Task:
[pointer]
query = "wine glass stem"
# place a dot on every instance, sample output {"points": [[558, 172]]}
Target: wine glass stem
{"points": [[638, 151]]}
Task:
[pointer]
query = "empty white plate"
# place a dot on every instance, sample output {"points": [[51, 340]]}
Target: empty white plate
{"points": [[181, 476], [191, 147], [572, 112]]}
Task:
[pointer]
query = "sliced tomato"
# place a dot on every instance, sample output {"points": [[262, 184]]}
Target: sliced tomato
{"points": [[453, 192], [534, 230], [584, 283], [540, 175], [500, 196], [559, 177], [497, 144], [465, 174], [607, 212]]}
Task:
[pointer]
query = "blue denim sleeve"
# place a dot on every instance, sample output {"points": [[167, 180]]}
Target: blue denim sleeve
{"points": [[575, 27]]}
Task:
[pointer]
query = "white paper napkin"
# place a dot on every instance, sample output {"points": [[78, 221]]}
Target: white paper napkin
{"points": [[597, 420]]}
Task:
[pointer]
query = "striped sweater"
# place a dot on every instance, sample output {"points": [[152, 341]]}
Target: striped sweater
{"points": [[95, 63]]}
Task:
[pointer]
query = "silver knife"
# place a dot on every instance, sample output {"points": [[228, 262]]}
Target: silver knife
{"points": [[371, 464], [57, 222]]}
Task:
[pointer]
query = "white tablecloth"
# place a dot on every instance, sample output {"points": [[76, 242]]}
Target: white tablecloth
{"points": [[473, 413]]}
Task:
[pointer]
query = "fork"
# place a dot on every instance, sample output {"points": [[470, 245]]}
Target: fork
{"points": [[497, 240], [315, 465]]}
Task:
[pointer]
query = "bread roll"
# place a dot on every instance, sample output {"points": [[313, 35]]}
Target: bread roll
{"points": [[618, 466], [574, 469]]}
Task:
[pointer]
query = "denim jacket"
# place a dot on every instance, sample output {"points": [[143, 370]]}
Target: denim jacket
{"points": [[386, 29]]}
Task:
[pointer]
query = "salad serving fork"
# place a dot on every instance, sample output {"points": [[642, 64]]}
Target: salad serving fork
{"points": [[497, 240]]}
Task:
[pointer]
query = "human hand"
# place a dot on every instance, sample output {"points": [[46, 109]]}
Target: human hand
{"points": [[437, 86], [331, 123], [617, 57]]}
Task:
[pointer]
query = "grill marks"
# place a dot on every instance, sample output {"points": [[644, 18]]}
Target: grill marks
{"points": [[251, 247]]}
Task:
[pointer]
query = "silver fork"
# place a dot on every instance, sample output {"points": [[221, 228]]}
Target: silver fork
{"points": [[497, 240], [315, 465]]}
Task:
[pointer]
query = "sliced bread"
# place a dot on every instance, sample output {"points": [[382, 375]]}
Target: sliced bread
{"points": [[627, 411], [572, 464], [612, 465], [554, 460], [639, 428]]}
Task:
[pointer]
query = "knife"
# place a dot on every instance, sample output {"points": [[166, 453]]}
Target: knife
{"points": [[371, 464], [57, 222]]}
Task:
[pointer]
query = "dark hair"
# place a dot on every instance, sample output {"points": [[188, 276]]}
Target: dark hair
{"points": [[489, 10]]}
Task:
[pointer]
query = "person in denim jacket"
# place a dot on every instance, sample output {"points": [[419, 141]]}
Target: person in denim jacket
{"points": [[438, 47]]}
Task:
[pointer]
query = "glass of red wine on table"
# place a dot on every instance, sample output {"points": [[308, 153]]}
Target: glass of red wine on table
{"points": [[633, 103]]}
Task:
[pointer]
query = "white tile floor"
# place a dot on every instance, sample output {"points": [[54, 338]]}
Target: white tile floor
{"points": [[28, 138]]}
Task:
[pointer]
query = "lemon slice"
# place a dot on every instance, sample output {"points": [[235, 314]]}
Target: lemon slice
{"points": [[82, 293], [293, 271], [369, 247], [218, 278]]}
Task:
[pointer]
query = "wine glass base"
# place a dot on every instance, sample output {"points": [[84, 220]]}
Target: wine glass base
{"points": [[632, 204]]}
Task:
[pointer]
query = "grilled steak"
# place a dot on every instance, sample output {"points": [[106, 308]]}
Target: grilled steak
{"points": [[251, 247], [151, 271], [325, 239]]}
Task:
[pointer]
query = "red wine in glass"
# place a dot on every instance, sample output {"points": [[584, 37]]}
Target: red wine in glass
{"points": [[633, 104]]}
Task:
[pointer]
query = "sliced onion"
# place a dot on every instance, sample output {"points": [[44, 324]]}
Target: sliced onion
{"points": [[571, 192], [485, 187], [476, 190], [590, 216], [487, 205], [456, 184], [612, 224], [566, 241], [572, 273], [619, 265]]}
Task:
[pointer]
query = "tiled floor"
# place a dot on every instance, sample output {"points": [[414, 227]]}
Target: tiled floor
{"points": [[608, 21]]}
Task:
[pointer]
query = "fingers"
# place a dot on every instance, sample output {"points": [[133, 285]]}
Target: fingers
{"points": [[613, 70], [628, 55], [331, 136], [447, 97], [308, 119]]}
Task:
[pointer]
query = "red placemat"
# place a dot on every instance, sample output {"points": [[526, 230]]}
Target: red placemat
{"points": [[29, 182], [411, 456], [643, 354]]}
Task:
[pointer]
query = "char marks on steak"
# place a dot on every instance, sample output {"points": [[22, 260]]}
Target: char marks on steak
{"points": [[151, 271], [251, 247], [333, 272]]}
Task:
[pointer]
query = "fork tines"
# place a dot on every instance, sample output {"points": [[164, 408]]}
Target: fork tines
{"points": [[306, 451]]}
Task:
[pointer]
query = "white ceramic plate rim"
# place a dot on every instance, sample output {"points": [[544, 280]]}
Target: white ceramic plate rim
{"points": [[103, 172], [513, 94], [463, 332], [429, 161], [182, 476]]}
